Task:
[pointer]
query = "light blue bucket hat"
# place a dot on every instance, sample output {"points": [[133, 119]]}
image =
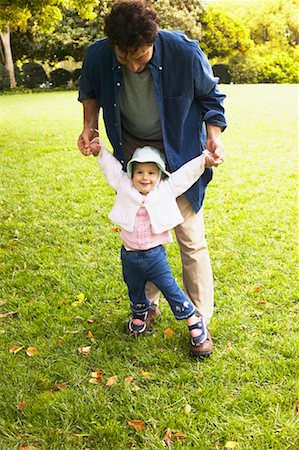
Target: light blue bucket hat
{"points": [[147, 154]]}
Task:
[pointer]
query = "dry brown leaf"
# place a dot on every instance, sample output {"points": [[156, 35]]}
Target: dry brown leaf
{"points": [[14, 349], [137, 424], [228, 347], [59, 341], [256, 288], [28, 447], [97, 377], [84, 350], [116, 229], [32, 351], [111, 381], [89, 321], [21, 405], [296, 407], [129, 379], [168, 332], [8, 314], [145, 374], [180, 436], [168, 434], [92, 339]]}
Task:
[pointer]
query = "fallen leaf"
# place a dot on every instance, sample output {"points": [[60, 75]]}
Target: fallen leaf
{"points": [[135, 388], [32, 351], [21, 405], [111, 381], [14, 349], [89, 321], [137, 424], [228, 347], [84, 350], [97, 377], [145, 374], [255, 288], [92, 339], [129, 379], [168, 332], [180, 436], [8, 314], [28, 447], [296, 407], [59, 387], [187, 409], [116, 229], [59, 341], [231, 444], [168, 434], [199, 376]]}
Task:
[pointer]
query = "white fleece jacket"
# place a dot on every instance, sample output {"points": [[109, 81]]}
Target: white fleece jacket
{"points": [[160, 203]]}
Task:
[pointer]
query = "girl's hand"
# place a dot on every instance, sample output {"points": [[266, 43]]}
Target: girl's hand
{"points": [[96, 146]]}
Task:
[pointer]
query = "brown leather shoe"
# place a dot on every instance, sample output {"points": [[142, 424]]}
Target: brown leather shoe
{"points": [[204, 349], [153, 314]]}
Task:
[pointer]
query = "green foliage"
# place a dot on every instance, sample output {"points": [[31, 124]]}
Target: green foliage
{"points": [[60, 77], [223, 35], [34, 75], [57, 241]]}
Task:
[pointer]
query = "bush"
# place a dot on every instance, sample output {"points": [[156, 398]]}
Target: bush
{"points": [[221, 71], [60, 77], [243, 70], [4, 78], [75, 75], [280, 68], [34, 75]]}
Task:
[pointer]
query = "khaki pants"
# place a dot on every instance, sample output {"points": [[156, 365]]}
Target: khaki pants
{"points": [[197, 271]]}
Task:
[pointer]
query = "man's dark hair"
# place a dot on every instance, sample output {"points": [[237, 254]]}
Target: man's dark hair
{"points": [[131, 24]]}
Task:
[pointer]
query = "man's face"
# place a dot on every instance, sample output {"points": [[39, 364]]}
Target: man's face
{"points": [[135, 61]]}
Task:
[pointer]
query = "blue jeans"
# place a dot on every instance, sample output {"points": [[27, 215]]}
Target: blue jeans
{"points": [[140, 266]]}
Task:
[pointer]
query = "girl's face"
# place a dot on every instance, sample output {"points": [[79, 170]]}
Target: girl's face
{"points": [[145, 177]]}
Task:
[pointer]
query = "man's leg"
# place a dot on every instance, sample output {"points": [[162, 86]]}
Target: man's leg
{"points": [[197, 271]]}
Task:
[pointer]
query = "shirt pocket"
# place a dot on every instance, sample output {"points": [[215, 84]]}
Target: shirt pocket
{"points": [[177, 108]]}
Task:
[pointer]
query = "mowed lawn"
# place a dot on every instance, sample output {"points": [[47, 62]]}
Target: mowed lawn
{"points": [[70, 378]]}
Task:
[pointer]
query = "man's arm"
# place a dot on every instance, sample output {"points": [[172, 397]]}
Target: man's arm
{"points": [[214, 144], [90, 125]]}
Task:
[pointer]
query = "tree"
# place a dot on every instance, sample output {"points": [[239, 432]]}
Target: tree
{"points": [[44, 16], [223, 36]]}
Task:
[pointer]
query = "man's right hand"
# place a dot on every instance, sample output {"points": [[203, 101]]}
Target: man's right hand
{"points": [[84, 140]]}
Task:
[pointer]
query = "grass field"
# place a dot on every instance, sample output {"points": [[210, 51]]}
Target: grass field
{"points": [[61, 290]]}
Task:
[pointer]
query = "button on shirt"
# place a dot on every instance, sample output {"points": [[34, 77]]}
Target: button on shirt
{"points": [[186, 91]]}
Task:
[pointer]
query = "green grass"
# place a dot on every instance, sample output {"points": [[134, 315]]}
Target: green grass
{"points": [[56, 242]]}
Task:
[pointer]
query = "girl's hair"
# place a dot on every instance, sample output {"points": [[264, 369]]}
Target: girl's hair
{"points": [[131, 24]]}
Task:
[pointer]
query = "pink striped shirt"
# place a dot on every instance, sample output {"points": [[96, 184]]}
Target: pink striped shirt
{"points": [[142, 236]]}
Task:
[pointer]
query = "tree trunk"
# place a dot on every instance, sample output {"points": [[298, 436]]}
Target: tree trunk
{"points": [[8, 61]]}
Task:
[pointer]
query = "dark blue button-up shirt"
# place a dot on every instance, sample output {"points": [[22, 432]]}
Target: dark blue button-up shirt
{"points": [[187, 97]]}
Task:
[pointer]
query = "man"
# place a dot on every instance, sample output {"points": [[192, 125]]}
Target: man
{"points": [[156, 88]]}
